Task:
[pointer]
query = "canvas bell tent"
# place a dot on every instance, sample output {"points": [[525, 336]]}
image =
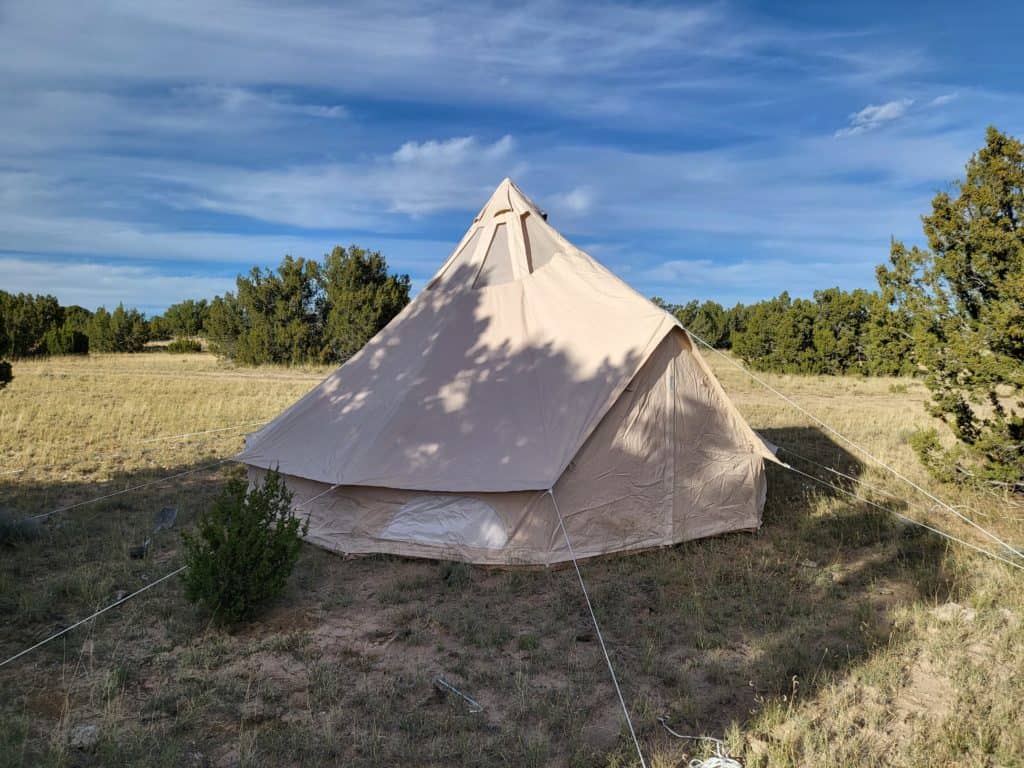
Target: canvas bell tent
{"points": [[523, 367]]}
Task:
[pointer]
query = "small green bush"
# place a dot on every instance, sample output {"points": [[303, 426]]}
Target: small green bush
{"points": [[181, 345], [244, 550], [6, 375]]}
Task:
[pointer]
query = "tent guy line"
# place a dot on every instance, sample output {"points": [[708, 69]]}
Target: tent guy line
{"points": [[851, 478], [92, 616], [856, 446], [45, 515], [124, 599], [597, 627], [900, 515]]}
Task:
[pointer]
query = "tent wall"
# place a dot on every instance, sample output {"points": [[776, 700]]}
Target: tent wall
{"points": [[671, 460]]}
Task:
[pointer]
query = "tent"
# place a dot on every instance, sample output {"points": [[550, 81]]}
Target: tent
{"points": [[524, 366]]}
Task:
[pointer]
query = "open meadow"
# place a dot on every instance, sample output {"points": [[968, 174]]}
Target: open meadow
{"points": [[837, 635]]}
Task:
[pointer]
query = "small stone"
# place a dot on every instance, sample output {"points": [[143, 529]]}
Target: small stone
{"points": [[808, 564], [85, 736]]}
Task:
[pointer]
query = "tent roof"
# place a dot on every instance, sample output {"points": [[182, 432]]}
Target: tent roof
{"points": [[490, 380]]}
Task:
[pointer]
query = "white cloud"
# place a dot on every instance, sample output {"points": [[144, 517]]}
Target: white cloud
{"points": [[577, 201], [451, 152], [240, 101], [944, 98], [417, 179], [94, 284], [873, 116]]}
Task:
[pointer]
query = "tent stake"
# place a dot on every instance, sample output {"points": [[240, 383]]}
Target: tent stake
{"points": [[474, 705]]}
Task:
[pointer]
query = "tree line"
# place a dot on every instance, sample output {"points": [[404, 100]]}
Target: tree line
{"points": [[33, 325], [835, 333], [305, 311], [952, 313]]}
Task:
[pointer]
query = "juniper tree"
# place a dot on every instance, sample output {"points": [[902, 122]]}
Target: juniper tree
{"points": [[964, 294]]}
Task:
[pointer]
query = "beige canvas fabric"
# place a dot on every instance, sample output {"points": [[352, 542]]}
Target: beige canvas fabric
{"points": [[524, 365]]}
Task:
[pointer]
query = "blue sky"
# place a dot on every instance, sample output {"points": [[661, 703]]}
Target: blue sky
{"points": [[151, 151]]}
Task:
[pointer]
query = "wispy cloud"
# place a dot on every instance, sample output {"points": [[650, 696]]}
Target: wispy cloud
{"points": [[942, 99], [238, 101], [664, 136], [92, 284], [874, 116]]}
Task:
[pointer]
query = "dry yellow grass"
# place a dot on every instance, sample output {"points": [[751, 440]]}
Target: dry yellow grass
{"points": [[833, 637]]}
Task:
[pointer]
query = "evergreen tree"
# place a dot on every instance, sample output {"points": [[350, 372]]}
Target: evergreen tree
{"points": [[361, 298], [24, 320], [305, 311], [964, 295]]}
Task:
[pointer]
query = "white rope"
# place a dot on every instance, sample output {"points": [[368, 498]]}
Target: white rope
{"points": [[858, 447], [951, 537], [116, 603], [205, 431], [851, 478], [314, 498], [597, 628], [80, 622], [44, 515], [721, 757], [112, 454]]}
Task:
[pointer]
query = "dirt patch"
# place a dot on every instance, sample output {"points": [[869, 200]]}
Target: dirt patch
{"points": [[928, 693]]}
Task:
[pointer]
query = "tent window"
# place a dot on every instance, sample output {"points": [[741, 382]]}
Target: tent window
{"points": [[541, 245], [458, 266], [454, 521], [497, 266]]}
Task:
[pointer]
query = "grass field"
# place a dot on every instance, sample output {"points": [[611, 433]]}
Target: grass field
{"points": [[835, 636]]}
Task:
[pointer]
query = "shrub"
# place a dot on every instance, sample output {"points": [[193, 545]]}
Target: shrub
{"points": [[182, 345], [245, 548], [6, 375]]}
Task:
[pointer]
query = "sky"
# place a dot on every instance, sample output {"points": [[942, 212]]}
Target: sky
{"points": [[151, 151]]}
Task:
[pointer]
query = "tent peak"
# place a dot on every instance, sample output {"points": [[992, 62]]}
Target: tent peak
{"points": [[507, 198]]}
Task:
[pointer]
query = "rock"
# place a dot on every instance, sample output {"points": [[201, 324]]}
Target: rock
{"points": [[808, 564], [85, 736]]}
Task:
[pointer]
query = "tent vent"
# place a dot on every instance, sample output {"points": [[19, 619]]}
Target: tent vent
{"points": [[541, 246], [458, 263], [497, 266]]}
